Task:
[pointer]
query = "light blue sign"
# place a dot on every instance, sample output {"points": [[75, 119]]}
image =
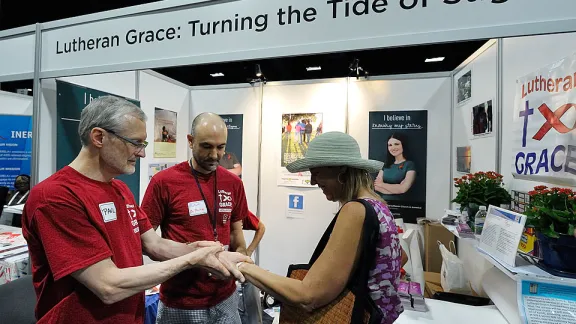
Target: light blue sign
{"points": [[15, 148], [296, 202]]}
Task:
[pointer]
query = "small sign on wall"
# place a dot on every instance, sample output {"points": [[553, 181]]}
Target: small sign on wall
{"points": [[295, 206]]}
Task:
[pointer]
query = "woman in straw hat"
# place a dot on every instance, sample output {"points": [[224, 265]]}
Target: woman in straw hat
{"points": [[337, 167]]}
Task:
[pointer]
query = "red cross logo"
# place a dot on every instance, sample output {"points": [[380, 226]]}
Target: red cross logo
{"points": [[553, 120]]}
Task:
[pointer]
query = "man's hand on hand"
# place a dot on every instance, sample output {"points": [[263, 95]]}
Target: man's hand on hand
{"points": [[208, 258], [230, 260]]}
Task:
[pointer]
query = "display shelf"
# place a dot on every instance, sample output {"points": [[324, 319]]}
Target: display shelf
{"points": [[522, 268]]}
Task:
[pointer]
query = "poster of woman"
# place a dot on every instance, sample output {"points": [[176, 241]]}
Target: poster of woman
{"points": [[398, 138]]}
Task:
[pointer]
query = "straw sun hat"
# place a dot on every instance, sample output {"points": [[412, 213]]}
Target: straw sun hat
{"points": [[334, 149]]}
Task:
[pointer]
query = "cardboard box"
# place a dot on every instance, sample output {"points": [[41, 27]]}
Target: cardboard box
{"points": [[432, 277], [434, 232]]}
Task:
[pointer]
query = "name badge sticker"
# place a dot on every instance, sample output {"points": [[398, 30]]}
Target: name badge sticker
{"points": [[196, 208], [108, 211]]}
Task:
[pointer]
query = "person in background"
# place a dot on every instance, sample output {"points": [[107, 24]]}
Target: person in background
{"points": [[86, 234], [302, 130], [230, 162], [337, 167], [21, 190], [308, 131], [19, 196], [193, 201]]}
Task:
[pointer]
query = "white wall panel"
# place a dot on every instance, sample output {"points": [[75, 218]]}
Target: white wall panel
{"points": [[292, 240], [411, 94], [157, 93]]}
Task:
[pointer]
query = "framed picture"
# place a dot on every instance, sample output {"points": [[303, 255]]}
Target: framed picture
{"points": [[463, 159], [464, 87], [482, 119]]}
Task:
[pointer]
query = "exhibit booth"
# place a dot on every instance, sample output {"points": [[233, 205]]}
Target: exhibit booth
{"points": [[75, 60]]}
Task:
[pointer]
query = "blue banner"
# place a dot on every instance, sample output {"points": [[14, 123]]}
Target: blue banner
{"points": [[15, 148]]}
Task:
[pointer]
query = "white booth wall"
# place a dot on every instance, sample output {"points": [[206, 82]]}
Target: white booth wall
{"points": [[292, 240], [484, 85], [156, 91], [430, 94]]}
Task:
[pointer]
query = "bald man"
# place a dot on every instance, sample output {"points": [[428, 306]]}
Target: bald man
{"points": [[198, 200]]}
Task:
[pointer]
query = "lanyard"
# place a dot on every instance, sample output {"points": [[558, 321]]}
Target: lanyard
{"points": [[210, 215], [19, 201]]}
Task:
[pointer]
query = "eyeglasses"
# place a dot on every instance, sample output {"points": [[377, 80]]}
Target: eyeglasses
{"points": [[139, 146]]}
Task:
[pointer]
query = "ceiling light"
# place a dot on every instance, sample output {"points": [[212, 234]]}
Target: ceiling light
{"points": [[434, 59], [313, 68], [215, 75], [258, 70]]}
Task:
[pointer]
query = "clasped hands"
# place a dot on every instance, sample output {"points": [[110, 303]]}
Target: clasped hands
{"points": [[221, 264]]}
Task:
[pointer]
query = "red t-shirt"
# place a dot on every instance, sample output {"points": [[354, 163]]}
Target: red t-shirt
{"points": [[70, 223], [251, 222], [172, 202]]}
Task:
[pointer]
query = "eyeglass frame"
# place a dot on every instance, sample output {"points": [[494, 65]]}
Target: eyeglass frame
{"points": [[139, 146]]}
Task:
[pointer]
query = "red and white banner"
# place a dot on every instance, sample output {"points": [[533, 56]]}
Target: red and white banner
{"points": [[545, 124]]}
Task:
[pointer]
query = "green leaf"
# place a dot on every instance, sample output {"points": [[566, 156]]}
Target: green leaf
{"points": [[571, 229], [550, 232]]}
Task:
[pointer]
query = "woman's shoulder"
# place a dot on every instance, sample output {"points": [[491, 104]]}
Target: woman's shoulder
{"points": [[410, 165]]}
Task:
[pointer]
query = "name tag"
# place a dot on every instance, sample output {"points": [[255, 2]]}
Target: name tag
{"points": [[108, 211], [197, 208]]}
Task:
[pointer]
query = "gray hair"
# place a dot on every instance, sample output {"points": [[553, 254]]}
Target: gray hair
{"points": [[107, 112]]}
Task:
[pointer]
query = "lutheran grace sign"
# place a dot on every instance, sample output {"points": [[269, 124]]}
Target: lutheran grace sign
{"points": [[545, 123], [248, 29]]}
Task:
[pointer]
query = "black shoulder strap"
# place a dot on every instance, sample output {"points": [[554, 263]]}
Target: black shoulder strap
{"points": [[324, 240], [370, 229], [359, 278]]}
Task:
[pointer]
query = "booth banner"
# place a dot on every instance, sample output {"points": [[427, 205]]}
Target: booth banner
{"points": [[233, 154], [219, 31], [15, 148], [165, 122], [297, 132], [71, 99], [544, 140], [399, 139]]}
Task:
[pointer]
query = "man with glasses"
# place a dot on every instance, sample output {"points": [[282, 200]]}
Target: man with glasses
{"points": [[86, 233], [199, 200]]}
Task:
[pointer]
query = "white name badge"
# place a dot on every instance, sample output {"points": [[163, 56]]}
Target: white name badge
{"points": [[196, 208], [108, 211]]}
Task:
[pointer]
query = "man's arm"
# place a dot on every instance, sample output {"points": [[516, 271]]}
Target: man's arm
{"points": [[257, 238], [237, 170], [112, 284], [237, 242], [160, 249]]}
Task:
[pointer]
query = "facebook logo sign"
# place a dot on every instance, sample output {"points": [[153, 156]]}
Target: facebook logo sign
{"points": [[296, 202]]}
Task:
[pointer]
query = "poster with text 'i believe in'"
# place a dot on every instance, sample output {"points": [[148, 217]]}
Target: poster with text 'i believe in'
{"points": [[544, 141], [399, 139]]}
